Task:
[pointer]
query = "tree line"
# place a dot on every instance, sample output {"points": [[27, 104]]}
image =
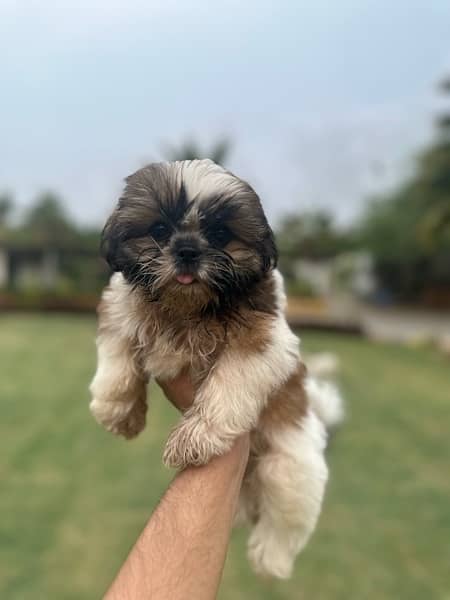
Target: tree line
{"points": [[407, 230]]}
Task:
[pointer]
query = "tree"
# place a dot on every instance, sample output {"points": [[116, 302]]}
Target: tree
{"points": [[433, 179], [6, 208], [408, 231], [190, 150], [311, 235], [47, 221]]}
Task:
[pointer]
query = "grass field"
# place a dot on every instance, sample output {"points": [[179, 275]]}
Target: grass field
{"points": [[74, 498]]}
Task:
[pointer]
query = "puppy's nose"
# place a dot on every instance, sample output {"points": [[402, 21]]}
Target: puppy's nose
{"points": [[188, 253]]}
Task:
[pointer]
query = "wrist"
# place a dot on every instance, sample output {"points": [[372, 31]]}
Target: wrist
{"points": [[224, 472], [236, 457]]}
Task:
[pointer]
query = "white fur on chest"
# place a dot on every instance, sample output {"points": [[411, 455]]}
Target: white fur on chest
{"points": [[160, 357], [162, 361]]}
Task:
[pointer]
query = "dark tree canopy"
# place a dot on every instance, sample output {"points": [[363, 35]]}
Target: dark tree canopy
{"points": [[408, 231], [309, 235], [47, 220], [6, 208], [190, 150]]}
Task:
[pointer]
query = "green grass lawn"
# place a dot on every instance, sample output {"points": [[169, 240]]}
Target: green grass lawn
{"points": [[74, 497]]}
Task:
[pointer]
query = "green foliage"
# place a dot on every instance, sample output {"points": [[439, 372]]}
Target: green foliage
{"points": [[408, 231], [46, 221], [310, 235], [74, 497], [299, 287], [6, 208], [191, 150]]}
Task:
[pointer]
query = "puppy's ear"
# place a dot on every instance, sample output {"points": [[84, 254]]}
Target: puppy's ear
{"points": [[269, 250], [109, 242]]}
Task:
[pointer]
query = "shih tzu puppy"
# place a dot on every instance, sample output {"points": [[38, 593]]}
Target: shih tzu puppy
{"points": [[196, 287]]}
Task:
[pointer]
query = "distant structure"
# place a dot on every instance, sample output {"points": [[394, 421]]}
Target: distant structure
{"points": [[350, 272], [42, 267], [25, 266]]}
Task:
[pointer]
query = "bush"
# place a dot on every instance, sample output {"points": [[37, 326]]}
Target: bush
{"points": [[300, 288]]}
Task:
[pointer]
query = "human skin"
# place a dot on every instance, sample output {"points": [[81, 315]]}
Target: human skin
{"points": [[181, 551]]}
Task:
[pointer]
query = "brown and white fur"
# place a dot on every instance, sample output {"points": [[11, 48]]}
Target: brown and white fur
{"points": [[218, 311]]}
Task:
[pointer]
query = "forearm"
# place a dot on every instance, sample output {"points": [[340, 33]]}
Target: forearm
{"points": [[181, 552]]}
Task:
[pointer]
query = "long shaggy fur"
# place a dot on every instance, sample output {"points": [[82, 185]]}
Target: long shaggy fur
{"points": [[196, 287]]}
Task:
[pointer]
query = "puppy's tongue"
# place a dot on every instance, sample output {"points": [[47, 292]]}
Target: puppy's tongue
{"points": [[185, 279]]}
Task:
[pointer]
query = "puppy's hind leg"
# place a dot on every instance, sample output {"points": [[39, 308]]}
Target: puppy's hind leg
{"points": [[292, 476]]}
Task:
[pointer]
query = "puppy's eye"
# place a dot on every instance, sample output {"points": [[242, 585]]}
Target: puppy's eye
{"points": [[159, 231], [219, 236]]}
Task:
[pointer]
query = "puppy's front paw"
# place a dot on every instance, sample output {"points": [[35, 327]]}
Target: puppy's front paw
{"points": [[193, 442], [126, 419]]}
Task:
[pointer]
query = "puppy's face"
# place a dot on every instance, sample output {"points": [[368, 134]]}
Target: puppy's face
{"points": [[189, 232]]}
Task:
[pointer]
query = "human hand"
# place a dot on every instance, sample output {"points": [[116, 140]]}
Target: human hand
{"points": [[179, 391]]}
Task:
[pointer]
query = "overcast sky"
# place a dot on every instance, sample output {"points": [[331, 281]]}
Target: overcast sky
{"points": [[325, 101]]}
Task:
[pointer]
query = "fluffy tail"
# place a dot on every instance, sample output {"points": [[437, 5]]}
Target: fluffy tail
{"points": [[324, 395], [324, 364]]}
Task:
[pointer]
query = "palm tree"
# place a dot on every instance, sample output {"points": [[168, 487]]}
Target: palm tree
{"points": [[189, 149]]}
